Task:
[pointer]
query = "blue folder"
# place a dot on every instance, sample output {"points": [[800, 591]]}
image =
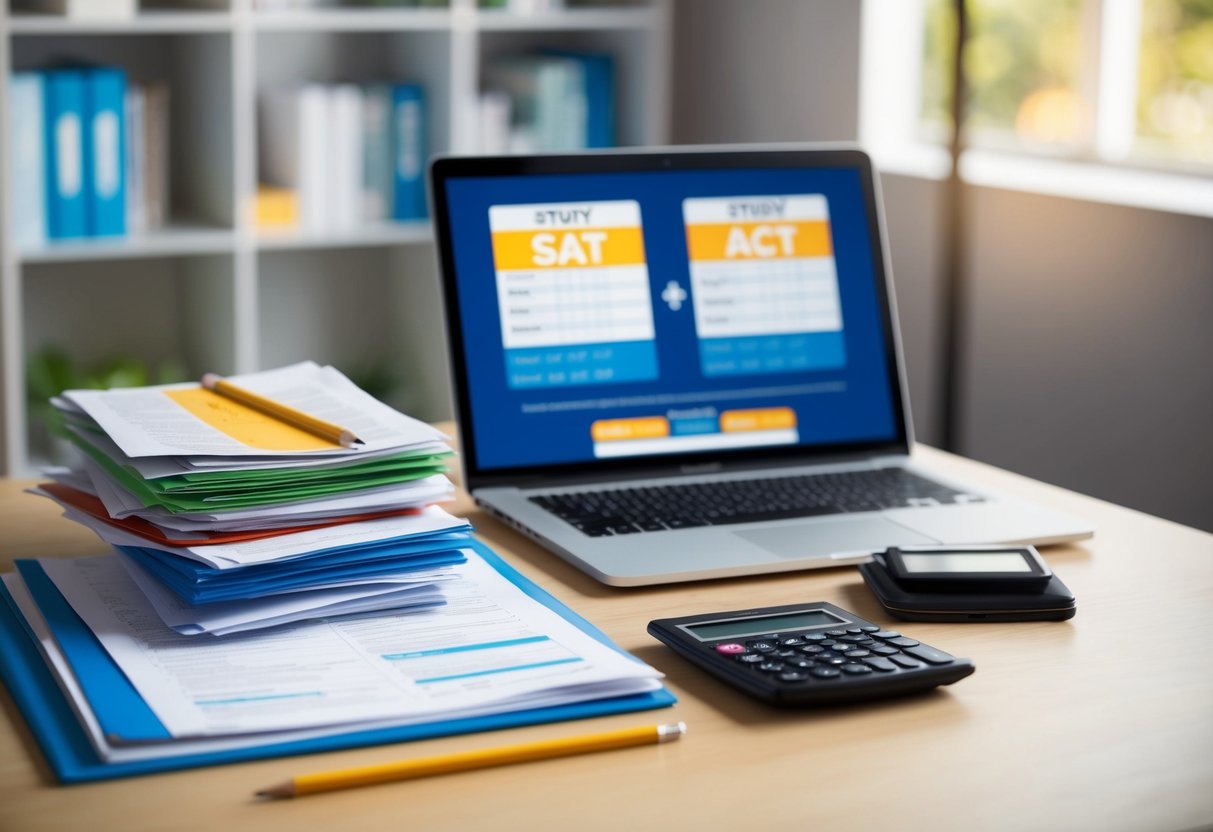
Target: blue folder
{"points": [[409, 125], [105, 122], [66, 154], [26, 166], [196, 583], [598, 88], [71, 756]]}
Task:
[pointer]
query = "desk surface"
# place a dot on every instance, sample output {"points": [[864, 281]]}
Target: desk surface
{"points": [[1103, 722]]}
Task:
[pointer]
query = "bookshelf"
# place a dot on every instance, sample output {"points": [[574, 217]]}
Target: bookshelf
{"points": [[210, 291]]}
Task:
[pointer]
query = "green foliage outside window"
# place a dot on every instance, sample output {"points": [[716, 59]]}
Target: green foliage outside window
{"points": [[1175, 84], [1023, 62]]}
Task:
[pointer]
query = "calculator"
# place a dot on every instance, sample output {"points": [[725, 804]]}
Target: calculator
{"points": [[808, 654]]}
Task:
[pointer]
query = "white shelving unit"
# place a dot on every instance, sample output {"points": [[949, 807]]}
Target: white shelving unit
{"points": [[212, 292]]}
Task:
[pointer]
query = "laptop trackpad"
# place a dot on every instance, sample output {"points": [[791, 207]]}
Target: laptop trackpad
{"points": [[818, 538]]}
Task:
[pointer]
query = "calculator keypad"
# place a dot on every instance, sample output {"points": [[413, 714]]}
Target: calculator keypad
{"points": [[834, 654], [851, 661]]}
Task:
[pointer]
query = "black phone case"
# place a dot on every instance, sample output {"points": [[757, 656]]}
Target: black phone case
{"points": [[1054, 602]]}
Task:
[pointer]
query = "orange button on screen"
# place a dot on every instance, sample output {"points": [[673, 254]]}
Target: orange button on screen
{"points": [[763, 418], [646, 427]]}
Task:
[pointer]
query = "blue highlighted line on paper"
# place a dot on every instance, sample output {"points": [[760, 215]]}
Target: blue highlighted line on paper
{"points": [[797, 352], [463, 648], [563, 366], [530, 659], [242, 699], [496, 670]]}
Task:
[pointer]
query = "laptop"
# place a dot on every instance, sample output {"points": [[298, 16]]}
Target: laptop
{"points": [[684, 363]]}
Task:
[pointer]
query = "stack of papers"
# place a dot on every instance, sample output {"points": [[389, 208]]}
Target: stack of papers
{"points": [[229, 519], [271, 592], [110, 691]]}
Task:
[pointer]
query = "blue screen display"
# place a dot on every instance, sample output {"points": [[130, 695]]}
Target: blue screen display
{"points": [[630, 315]]}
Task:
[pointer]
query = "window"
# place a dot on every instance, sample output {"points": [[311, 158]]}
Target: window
{"points": [[1097, 88], [1022, 64], [1174, 114]]}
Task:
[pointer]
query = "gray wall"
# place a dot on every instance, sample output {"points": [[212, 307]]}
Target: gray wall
{"points": [[1088, 350], [771, 70]]}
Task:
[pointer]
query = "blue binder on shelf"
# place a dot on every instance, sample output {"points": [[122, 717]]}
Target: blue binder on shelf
{"points": [[104, 94], [598, 91], [409, 125], [66, 154], [122, 712], [27, 167]]}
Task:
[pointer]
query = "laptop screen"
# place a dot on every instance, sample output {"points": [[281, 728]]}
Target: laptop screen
{"points": [[640, 309]]}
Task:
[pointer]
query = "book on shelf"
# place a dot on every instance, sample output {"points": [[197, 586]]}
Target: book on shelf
{"points": [[80, 9], [345, 166], [410, 153], [65, 155], [377, 152], [294, 147], [147, 173], [135, 112], [90, 154], [348, 152], [523, 6], [27, 194], [558, 100], [493, 108], [297, 5], [105, 119], [594, 82]]}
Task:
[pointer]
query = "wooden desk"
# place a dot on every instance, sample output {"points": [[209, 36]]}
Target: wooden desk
{"points": [[1103, 722]]}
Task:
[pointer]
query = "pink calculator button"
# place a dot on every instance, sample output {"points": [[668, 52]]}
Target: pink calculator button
{"points": [[731, 648]]}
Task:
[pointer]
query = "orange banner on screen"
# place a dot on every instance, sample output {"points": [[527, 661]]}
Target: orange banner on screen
{"points": [[567, 248], [764, 418], [646, 427], [759, 240]]}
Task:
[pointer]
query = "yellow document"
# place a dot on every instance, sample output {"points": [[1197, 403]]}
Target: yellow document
{"points": [[246, 425]]}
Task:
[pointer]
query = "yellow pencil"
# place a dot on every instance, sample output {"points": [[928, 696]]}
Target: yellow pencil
{"points": [[317, 427], [466, 760]]}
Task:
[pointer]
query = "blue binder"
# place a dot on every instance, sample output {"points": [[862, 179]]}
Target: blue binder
{"points": [[598, 81], [27, 168], [409, 125], [196, 583], [121, 710], [105, 122], [66, 154]]}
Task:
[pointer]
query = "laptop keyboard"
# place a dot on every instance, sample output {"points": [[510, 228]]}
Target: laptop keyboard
{"points": [[658, 508]]}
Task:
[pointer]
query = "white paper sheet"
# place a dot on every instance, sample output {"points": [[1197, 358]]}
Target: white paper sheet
{"points": [[158, 467], [132, 753], [490, 648], [284, 546], [120, 503], [145, 422], [401, 593]]}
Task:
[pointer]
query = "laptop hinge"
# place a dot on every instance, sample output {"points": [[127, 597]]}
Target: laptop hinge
{"points": [[553, 480]]}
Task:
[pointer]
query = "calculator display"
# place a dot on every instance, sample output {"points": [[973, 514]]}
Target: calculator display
{"points": [[935, 562], [738, 627]]}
